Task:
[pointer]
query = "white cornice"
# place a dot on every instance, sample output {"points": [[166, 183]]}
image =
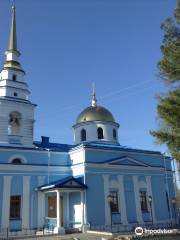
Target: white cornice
{"points": [[29, 168], [35, 150], [122, 151], [124, 167]]}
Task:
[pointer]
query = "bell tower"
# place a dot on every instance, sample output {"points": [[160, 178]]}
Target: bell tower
{"points": [[16, 110]]}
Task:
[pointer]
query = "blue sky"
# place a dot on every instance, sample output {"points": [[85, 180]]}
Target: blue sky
{"points": [[68, 44]]}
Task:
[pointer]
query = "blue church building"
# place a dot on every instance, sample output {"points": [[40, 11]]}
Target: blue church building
{"points": [[96, 182]]}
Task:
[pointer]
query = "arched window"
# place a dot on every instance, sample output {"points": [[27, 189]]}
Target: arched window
{"points": [[14, 125], [114, 134], [16, 161], [83, 135], [100, 133]]}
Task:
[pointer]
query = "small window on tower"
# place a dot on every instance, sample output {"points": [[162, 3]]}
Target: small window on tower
{"points": [[14, 77], [83, 135], [100, 133], [114, 134], [15, 94]]}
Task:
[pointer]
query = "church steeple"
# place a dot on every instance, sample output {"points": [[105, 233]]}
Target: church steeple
{"points": [[12, 52], [13, 37], [16, 109], [94, 100]]}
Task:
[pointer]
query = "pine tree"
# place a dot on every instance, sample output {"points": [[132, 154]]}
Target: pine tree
{"points": [[169, 70]]}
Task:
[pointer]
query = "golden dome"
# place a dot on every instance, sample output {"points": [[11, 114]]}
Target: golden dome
{"points": [[95, 113]]}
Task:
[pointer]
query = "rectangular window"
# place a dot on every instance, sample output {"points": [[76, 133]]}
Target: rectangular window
{"points": [[15, 206], [143, 201], [114, 203]]}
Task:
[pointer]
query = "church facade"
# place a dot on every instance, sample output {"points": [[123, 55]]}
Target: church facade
{"points": [[94, 183]]}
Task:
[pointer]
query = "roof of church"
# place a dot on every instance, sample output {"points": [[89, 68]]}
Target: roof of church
{"points": [[95, 113], [59, 147], [67, 182], [117, 147]]}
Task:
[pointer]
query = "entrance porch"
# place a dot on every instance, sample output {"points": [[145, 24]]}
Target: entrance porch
{"points": [[64, 205]]}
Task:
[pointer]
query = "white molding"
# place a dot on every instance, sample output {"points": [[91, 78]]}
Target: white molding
{"points": [[29, 168], [6, 201], [26, 201], [121, 159], [24, 160], [35, 149], [128, 167], [123, 151]]}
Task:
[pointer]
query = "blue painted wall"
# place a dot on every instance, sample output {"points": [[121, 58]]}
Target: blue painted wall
{"points": [[159, 197], [130, 199], [95, 199]]}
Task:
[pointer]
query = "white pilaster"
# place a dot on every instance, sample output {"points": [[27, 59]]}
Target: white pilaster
{"points": [[26, 202], [106, 192], [41, 203], [122, 200], [149, 191], [137, 200], [67, 208], [6, 201], [82, 206], [41, 209]]}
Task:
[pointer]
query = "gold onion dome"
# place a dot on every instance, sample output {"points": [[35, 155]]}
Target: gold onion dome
{"points": [[95, 113]]}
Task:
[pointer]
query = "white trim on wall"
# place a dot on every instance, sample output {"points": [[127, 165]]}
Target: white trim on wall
{"points": [[6, 201], [26, 202]]}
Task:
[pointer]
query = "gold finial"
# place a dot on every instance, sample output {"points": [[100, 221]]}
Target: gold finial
{"points": [[94, 100]]}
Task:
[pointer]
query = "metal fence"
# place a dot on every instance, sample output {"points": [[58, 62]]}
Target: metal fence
{"points": [[6, 233], [120, 228]]}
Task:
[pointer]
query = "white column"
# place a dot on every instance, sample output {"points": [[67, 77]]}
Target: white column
{"points": [[67, 208], [149, 190], [58, 209], [137, 200], [122, 200], [26, 202], [59, 228], [106, 192], [6, 201]]}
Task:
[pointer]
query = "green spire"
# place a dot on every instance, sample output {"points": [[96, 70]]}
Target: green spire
{"points": [[13, 38]]}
